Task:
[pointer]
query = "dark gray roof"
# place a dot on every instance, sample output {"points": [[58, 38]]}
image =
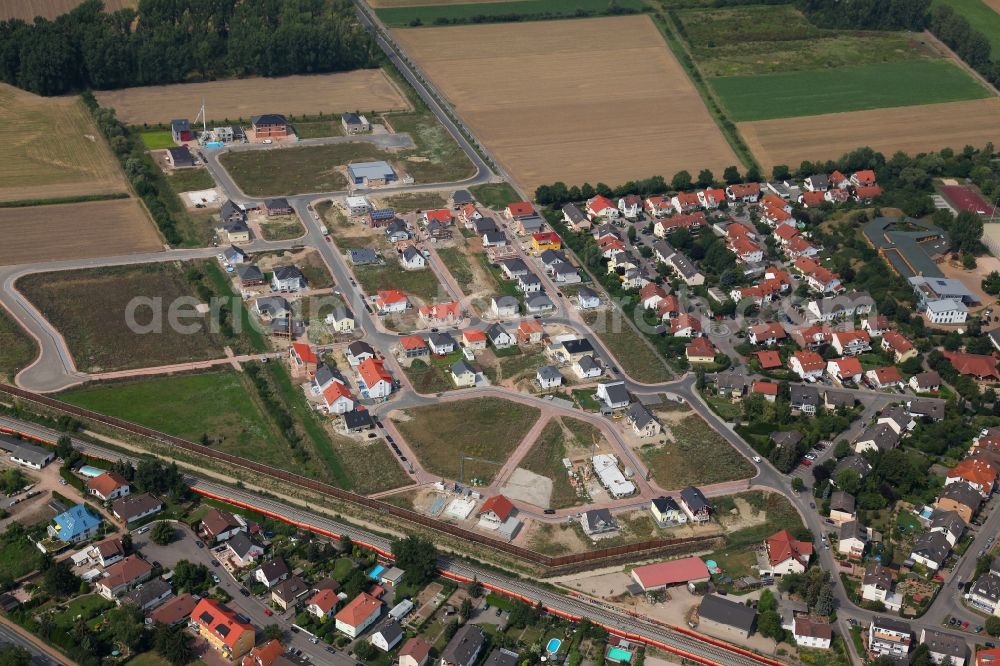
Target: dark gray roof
{"points": [[528, 278], [578, 346], [878, 575], [548, 372], [268, 119], [357, 419], [461, 197], [908, 250], [931, 407], [134, 505], [786, 438], [664, 249], [820, 181], [390, 630], [233, 251], [350, 118], [949, 521], [728, 612], [359, 347], [288, 273], [514, 266], [942, 643], [502, 657], [287, 326], [930, 377], [666, 504], [599, 520], [494, 331], [290, 588], [857, 463], [839, 398], [852, 529], [932, 546], [460, 367], [363, 255], [987, 586], [464, 645], [573, 213], [732, 380], [494, 237], [325, 373], [804, 395], [274, 569], [229, 209], [181, 155], [409, 252], [273, 305], [683, 265], [892, 624], [695, 499], [587, 363], [538, 302], [639, 415], [484, 224], [443, 339], [240, 544], [505, 301], [35, 455], [180, 124], [963, 493], [279, 202], [551, 257], [616, 391], [147, 592], [882, 435], [586, 293], [841, 501]]}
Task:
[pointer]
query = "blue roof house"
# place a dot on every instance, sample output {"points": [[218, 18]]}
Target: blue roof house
{"points": [[371, 173], [77, 524]]}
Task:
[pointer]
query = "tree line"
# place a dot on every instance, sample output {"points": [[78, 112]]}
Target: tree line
{"points": [[172, 41], [867, 14]]}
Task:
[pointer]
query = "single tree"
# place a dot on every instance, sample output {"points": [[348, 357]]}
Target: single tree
{"points": [[163, 533]]}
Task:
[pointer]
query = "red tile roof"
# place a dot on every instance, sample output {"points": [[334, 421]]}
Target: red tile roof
{"points": [[449, 310], [546, 237], [174, 610], [219, 621], [865, 176], [769, 359], [976, 365], [412, 342], [650, 290], [685, 321], [848, 367], [868, 192], [976, 471], [474, 335], [520, 209], [372, 370], [305, 352], [813, 198], [741, 190], [499, 505], [335, 391], [765, 388], [107, 483], [415, 648], [440, 215], [360, 609], [599, 203], [700, 347], [786, 231], [671, 572], [782, 546], [387, 296], [897, 342], [264, 655], [325, 600], [688, 221], [887, 375], [809, 360], [767, 330]]}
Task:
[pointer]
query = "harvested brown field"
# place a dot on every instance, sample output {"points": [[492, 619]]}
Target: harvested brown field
{"points": [[360, 90], [51, 149], [29, 9], [75, 231], [912, 129], [583, 100], [992, 4]]}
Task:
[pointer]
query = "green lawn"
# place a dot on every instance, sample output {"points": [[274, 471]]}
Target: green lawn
{"points": [[634, 355], [724, 407], [438, 158], [296, 170], [494, 195], [545, 458], [524, 9], [422, 284], [18, 556], [488, 428], [815, 92], [981, 17], [432, 376], [217, 404], [87, 606], [158, 139], [286, 228], [458, 265], [315, 129], [189, 180], [682, 462], [17, 349], [412, 201]]}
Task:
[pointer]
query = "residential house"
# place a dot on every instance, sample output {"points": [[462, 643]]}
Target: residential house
{"points": [[502, 657], [354, 123], [946, 311], [132, 508], [529, 283], [700, 350], [269, 126], [980, 367], [600, 207], [614, 395], [504, 306], [277, 206], [122, 576], [474, 338], [546, 240], [587, 298], [270, 653], [786, 439], [359, 351], [415, 652], [685, 202], [857, 464], [767, 389], [149, 595], [548, 376], [530, 332], [686, 270], [976, 471], [74, 525], [495, 512], [442, 344], [220, 525], [358, 615], [411, 259], [879, 437], [876, 585], [272, 572], [842, 507], [598, 524], [812, 634], [901, 348], [925, 382], [804, 399], [337, 398], [930, 549], [889, 636], [386, 635], [538, 304], [107, 552], [390, 301], [465, 646], [288, 278], [357, 205], [397, 231], [180, 130], [844, 306], [884, 378], [944, 647], [948, 523], [926, 408], [587, 368], [174, 610], [767, 334], [852, 538], [371, 174], [518, 210], [341, 320], [630, 206], [108, 486], [685, 326], [499, 337], [961, 498], [463, 375], [658, 206], [290, 592], [845, 370], [743, 192], [785, 554], [242, 550], [727, 618], [667, 512], [575, 218], [697, 508], [643, 423], [374, 380], [851, 343], [250, 275], [222, 629], [363, 256], [807, 364], [984, 595]]}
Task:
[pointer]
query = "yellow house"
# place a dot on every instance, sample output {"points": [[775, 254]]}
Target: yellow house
{"points": [[341, 320], [547, 240], [223, 631], [700, 351]]}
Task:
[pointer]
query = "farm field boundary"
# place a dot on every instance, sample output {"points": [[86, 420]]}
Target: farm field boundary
{"points": [[484, 12], [844, 89], [75, 231], [27, 10], [237, 99], [543, 126], [983, 15], [912, 129], [648, 548]]}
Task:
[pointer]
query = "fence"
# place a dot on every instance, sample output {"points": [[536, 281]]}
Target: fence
{"points": [[645, 547]]}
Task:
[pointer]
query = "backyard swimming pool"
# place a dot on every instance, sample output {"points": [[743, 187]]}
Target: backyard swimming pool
{"points": [[619, 655], [91, 471], [375, 573], [553, 645]]}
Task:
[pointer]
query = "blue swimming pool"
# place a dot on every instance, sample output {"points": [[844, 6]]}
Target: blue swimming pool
{"points": [[90, 470], [375, 573], [553, 645]]}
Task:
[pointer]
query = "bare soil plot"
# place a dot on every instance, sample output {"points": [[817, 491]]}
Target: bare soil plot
{"points": [[553, 107], [89, 308], [75, 231], [29, 9], [361, 90], [51, 148], [912, 129]]}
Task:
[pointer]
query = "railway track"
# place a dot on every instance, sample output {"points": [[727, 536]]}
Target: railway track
{"points": [[677, 640]]}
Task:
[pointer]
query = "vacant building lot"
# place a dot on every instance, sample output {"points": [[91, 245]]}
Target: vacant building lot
{"points": [[912, 129], [27, 10], [681, 462], [297, 170], [52, 149], [593, 100], [486, 428], [89, 308], [17, 348], [361, 90], [75, 231], [856, 88]]}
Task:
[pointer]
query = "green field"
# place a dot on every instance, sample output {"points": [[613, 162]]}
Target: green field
{"points": [[190, 180], [218, 404], [816, 92], [158, 139], [422, 284], [494, 195], [680, 463], [981, 17], [17, 349], [296, 170], [517, 10], [488, 428], [314, 129], [756, 39]]}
